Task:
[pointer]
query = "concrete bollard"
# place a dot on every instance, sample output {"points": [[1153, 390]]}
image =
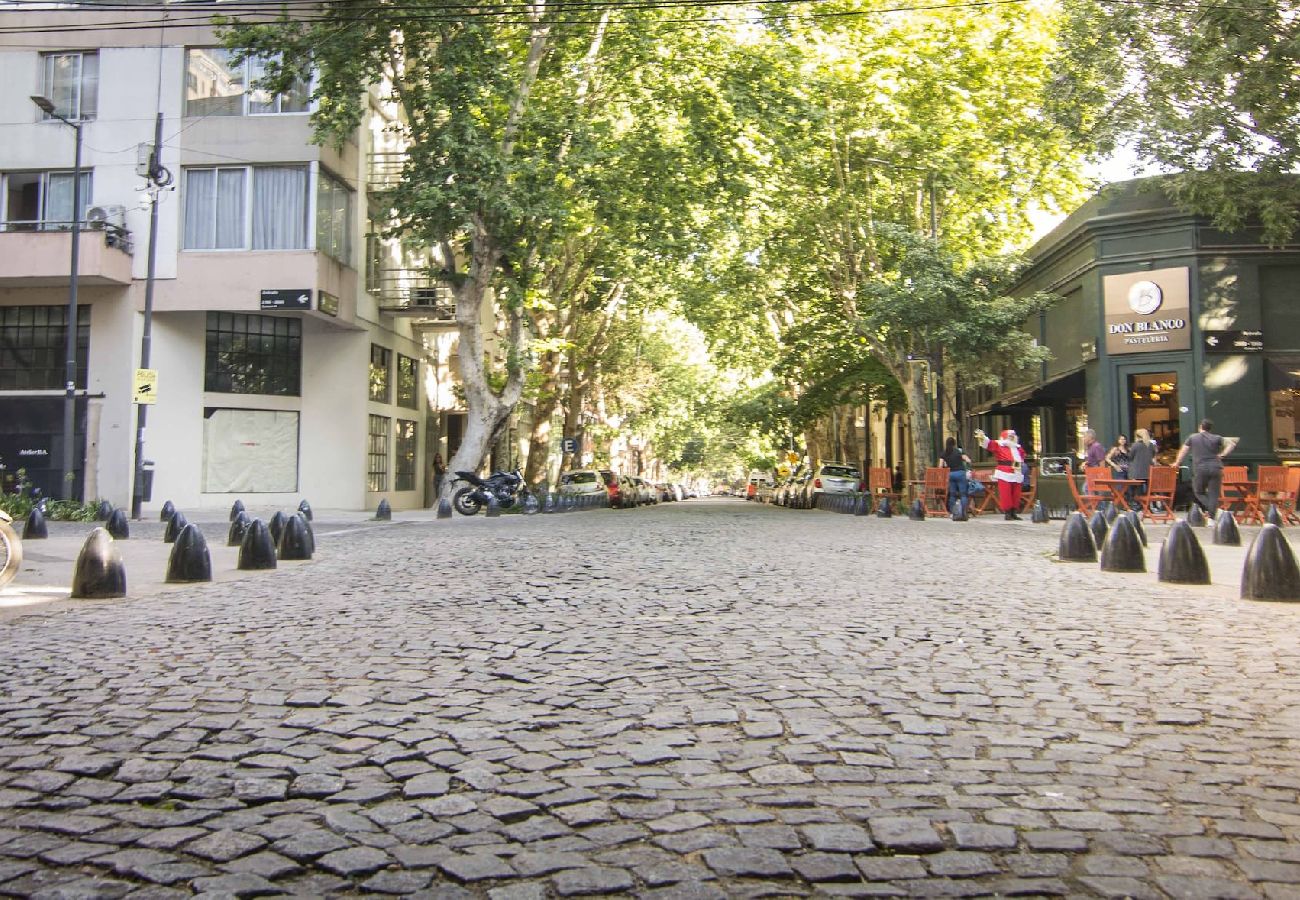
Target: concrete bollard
{"points": [[1225, 530], [295, 540], [174, 526], [549, 507], [1077, 544], [1110, 510], [1122, 551], [305, 508], [444, 508], [1195, 517], [35, 529], [189, 561], [168, 510], [959, 511], [1270, 572], [1273, 517], [863, 507], [1040, 516], [383, 512], [916, 512], [1099, 527], [493, 507], [884, 510], [117, 526], [1133, 517], [103, 511], [276, 527], [236, 508], [235, 536], [1182, 561], [530, 506], [257, 551], [99, 573]]}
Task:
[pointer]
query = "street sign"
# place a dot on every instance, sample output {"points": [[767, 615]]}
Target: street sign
{"points": [[286, 299], [569, 445], [1233, 341], [146, 386]]}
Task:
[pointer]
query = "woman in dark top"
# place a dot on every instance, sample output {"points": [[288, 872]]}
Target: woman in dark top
{"points": [[955, 460], [1140, 456], [1118, 457]]}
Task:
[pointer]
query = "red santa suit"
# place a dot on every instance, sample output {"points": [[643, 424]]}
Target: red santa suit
{"points": [[1009, 473]]}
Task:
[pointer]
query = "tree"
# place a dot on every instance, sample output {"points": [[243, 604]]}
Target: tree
{"points": [[1209, 92]]}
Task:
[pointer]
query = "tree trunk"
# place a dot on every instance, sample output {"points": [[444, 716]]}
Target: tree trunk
{"points": [[849, 435], [539, 438], [918, 410]]}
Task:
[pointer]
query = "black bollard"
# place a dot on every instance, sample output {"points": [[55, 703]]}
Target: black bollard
{"points": [[444, 508], [550, 504], [276, 527], [189, 560], [1182, 561], [174, 526], [236, 508], [257, 551], [863, 507], [235, 536], [1132, 516], [529, 505], [168, 510], [1270, 572], [1225, 530], [916, 512], [103, 511], [35, 528], [1195, 517], [1099, 527], [99, 573], [295, 541], [1040, 516], [959, 512], [493, 507], [1077, 544], [311, 534], [383, 512], [1273, 517], [1122, 551], [305, 509], [117, 526], [884, 510], [1111, 511]]}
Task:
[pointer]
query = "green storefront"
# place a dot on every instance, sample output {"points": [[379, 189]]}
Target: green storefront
{"points": [[1164, 320]]}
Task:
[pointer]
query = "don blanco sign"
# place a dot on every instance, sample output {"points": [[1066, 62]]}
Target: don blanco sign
{"points": [[1148, 311]]}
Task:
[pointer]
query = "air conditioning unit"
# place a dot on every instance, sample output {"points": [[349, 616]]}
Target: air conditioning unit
{"points": [[113, 216]]}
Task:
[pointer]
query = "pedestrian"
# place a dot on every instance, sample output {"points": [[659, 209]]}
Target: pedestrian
{"points": [[1118, 456], [1207, 450], [1094, 453], [1140, 457], [955, 459], [439, 470], [1009, 473]]}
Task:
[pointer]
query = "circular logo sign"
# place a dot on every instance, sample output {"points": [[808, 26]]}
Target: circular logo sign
{"points": [[1145, 297]]}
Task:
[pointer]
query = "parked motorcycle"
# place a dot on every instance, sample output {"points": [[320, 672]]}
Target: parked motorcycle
{"points": [[506, 487], [11, 549]]}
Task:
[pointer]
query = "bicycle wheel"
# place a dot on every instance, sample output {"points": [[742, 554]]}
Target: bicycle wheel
{"points": [[11, 554]]}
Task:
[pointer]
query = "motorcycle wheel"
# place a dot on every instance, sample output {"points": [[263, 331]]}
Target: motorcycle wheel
{"points": [[464, 503]]}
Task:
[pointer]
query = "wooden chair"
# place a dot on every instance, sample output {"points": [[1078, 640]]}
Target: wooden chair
{"points": [[1271, 489], [1162, 482], [934, 492], [1089, 499], [1030, 494], [1235, 490], [880, 483]]}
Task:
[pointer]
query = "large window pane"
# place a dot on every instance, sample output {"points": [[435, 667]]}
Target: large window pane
{"points": [[214, 209], [381, 363], [377, 454], [334, 219], [58, 197], [71, 82], [404, 474], [33, 343], [213, 86], [231, 221], [280, 208], [407, 381], [253, 354]]}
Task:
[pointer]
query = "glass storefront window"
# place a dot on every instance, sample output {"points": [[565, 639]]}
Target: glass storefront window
{"points": [[1153, 405], [1284, 403]]}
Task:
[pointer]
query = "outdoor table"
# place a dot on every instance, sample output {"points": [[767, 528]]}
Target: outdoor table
{"points": [[1236, 493], [1117, 488]]}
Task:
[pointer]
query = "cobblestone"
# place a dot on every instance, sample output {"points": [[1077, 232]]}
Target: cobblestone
{"points": [[695, 700]]}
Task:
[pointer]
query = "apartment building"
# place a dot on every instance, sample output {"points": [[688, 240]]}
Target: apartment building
{"points": [[298, 354]]}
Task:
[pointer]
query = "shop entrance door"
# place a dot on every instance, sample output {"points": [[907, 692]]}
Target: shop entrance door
{"points": [[1159, 401]]}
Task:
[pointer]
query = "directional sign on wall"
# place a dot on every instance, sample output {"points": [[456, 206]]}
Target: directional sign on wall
{"points": [[279, 298]]}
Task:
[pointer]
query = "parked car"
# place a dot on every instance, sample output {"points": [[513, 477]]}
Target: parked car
{"points": [[583, 481], [835, 478], [757, 480], [616, 486], [645, 490]]}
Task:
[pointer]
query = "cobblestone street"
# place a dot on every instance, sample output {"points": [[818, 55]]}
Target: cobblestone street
{"points": [[700, 699]]}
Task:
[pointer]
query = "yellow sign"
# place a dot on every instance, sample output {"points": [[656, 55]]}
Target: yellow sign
{"points": [[791, 457], [146, 386]]}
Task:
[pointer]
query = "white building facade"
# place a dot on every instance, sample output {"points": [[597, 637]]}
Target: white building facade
{"points": [[288, 337]]}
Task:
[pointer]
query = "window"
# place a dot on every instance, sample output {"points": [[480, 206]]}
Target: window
{"points": [[381, 360], [32, 346], [220, 214], [71, 82], [404, 476], [377, 465], [215, 85], [251, 354], [407, 382], [334, 219], [42, 201]]}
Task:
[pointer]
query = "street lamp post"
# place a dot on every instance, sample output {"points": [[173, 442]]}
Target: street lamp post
{"points": [[70, 345]]}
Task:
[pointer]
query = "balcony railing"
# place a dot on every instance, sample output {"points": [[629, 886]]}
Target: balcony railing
{"points": [[114, 235], [416, 293], [384, 170]]}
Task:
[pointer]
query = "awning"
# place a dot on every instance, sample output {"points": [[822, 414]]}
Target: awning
{"points": [[1069, 386]]}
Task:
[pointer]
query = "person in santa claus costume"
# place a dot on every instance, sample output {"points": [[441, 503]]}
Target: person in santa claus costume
{"points": [[1009, 473]]}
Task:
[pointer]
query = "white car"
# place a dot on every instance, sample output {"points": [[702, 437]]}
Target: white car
{"points": [[836, 478], [582, 481]]}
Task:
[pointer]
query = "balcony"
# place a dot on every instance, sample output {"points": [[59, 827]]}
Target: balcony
{"points": [[384, 171], [38, 254], [416, 294]]}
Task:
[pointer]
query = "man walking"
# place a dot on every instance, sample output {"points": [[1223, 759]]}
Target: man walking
{"points": [[1208, 450], [1094, 452]]}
